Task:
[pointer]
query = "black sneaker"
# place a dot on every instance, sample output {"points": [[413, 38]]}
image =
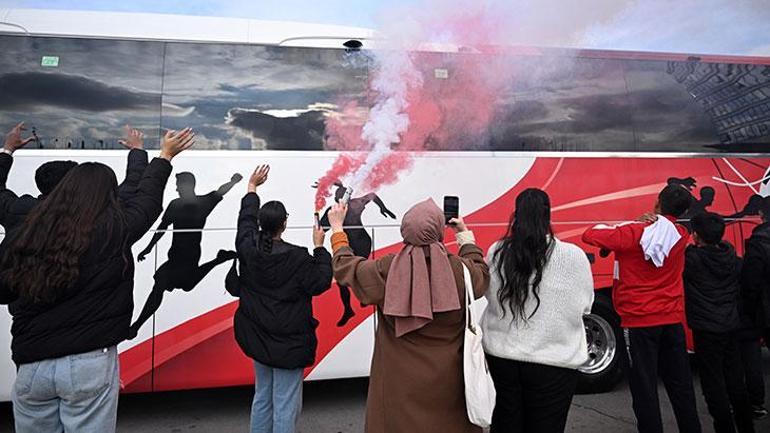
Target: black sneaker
{"points": [[759, 412]]}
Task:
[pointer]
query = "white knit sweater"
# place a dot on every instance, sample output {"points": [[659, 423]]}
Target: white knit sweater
{"points": [[555, 335]]}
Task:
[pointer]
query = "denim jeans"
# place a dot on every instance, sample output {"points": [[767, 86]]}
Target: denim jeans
{"points": [[277, 400], [75, 393]]}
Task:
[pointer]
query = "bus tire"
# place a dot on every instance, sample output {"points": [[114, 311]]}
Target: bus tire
{"points": [[603, 370]]}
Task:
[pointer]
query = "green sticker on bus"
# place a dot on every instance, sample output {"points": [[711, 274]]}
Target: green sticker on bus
{"points": [[50, 62]]}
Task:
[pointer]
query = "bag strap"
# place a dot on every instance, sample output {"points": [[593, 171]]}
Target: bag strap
{"points": [[469, 322]]}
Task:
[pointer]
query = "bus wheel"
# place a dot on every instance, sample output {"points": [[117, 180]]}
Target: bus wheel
{"points": [[603, 369]]}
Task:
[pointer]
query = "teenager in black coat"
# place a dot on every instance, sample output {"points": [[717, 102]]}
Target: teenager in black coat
{"points": [[756, 306], [274, 323], [67, 274], [712, 275]]}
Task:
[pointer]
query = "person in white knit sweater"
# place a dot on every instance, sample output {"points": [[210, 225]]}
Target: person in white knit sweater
{"points": [[534, 338]]}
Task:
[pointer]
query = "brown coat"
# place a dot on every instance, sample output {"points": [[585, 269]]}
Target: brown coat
{"points": [[416, 382]]}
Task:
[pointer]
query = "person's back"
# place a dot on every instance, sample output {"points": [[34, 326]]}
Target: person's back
{"points": [[645, 294], [416, 381], [554, 334], [533, 331], [277, 288], [712, 285], [712, 288], [67, 273], [274, 323], [755, 291], [648, 295]]}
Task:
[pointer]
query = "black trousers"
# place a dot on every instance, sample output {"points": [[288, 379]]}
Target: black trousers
{"points": [[722, 380], [660, 350], [531, 398], [751, 357]]}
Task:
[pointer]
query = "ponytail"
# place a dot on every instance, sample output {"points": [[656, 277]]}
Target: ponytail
{"points": [[272, 218], [266, 242]]}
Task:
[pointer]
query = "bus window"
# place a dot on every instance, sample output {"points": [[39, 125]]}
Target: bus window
{"points": [[79, 93]]}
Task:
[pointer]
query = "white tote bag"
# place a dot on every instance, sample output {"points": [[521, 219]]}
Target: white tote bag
{"points": [[479, 389]]}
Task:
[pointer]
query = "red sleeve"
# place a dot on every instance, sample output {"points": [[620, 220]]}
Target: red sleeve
{"points": [[614, 238]]}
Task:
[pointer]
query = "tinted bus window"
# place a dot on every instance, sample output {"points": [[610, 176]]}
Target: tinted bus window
{"points": [[565, 104], [79, 93], [257, 97]]}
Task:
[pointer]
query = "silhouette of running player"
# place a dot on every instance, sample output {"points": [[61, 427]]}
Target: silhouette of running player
{"points": [[360, 241], [181, 271], [751, 209], [702, 204]]}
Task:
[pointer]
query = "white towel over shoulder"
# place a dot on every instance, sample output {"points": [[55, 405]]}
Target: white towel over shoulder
{"points": [[658, 239]]}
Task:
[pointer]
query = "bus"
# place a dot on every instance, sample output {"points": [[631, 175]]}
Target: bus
{"points": [[602, 132]]}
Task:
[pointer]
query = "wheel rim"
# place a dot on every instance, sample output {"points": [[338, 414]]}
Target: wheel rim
{"points": [[601, 344]]}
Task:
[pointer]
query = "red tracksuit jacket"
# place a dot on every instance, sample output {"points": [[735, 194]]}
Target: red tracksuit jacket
{"points": [[644, 295]]}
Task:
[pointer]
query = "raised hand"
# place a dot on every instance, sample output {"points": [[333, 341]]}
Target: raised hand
{"points": [[176, 142], [134, 139], [13, 140], [336, 216], [318, 236], [258, 177]]}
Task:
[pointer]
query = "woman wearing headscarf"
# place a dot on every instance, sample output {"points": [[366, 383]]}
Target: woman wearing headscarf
{"points": [[416, 382]]}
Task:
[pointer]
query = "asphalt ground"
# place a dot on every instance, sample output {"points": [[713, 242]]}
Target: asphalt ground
{"points": [[338, 407]]}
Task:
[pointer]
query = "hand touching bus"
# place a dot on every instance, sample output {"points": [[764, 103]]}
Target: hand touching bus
{"points": [[175, 142], [13, 140], [134, 139]]}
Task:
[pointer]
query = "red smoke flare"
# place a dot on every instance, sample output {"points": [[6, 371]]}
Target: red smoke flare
{"points": [[451, 110], [344, 165]]}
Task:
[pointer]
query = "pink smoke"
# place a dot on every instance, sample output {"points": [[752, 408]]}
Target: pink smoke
{"points": [[448, 100]]}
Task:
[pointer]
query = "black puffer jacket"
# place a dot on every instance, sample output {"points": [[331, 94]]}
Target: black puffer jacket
{"points": [[274, 322], [756, 277], [96, 311], [712, 287]]}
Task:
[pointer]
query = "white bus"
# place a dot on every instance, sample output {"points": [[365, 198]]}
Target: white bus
{"points": [[601, 136]]}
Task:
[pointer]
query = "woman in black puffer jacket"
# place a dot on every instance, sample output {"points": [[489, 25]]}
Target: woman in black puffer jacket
{"points": [[274, 323], [68, 276]]}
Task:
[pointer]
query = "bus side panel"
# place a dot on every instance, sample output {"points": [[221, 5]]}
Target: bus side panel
{"points": [[193, 345]]}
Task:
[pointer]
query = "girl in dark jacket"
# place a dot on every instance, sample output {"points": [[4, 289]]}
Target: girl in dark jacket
{"points": [[274, 323], [67, 273]]}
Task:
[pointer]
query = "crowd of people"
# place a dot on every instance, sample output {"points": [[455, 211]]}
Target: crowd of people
{"points": [[66, 273]]}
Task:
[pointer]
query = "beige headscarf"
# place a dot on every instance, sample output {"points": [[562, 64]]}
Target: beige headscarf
{"points": [[412, 293]]}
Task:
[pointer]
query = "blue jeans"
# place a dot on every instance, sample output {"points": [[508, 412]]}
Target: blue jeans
{"points": [[277, 400], [75, 393]]}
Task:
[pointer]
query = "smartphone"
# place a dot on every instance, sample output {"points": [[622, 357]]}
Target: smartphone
{"points": [[316, 220], [451, 207], [347, 196]]}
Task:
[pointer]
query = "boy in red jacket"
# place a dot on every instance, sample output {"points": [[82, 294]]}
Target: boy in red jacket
{"points": [[649, 297]]}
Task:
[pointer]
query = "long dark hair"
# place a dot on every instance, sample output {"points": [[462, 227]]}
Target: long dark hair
{"points": [[522, 254], [272, 217], [43, 257]]}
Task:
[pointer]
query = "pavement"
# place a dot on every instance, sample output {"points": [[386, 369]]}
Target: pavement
{"points": [[338, 407]]}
